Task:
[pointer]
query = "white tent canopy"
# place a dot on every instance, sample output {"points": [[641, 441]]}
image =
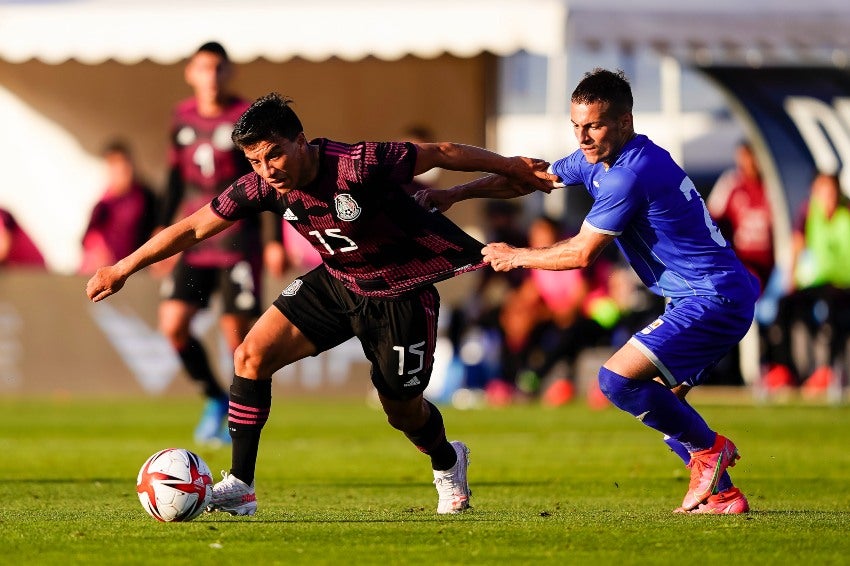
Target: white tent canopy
{"points": [[92, 31], [165, 31]]}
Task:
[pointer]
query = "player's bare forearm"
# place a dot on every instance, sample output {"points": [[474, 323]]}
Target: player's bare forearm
{"points": [[491, 186], [504, 257], [572, 253], [460, 157], [169, 241]]}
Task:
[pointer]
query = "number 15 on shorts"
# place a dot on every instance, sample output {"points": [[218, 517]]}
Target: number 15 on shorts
{"points": [[415, 352]]}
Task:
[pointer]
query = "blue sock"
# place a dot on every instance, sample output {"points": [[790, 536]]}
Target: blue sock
{"points": [[657, 407]]}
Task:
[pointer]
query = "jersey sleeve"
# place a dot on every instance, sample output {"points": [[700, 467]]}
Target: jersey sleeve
{"points": [[616, 202], [568, 169], [391, 162], [246, 196]]}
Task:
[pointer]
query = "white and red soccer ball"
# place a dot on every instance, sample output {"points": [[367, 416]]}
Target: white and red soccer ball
{"points": [[174, 485]]}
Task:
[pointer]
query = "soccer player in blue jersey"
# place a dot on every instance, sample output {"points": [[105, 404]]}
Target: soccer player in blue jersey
{"points": [[649, 207], [381, 254]]}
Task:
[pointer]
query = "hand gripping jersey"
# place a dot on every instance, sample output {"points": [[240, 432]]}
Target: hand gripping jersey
{"points": [[371, 235], [662, 225]]}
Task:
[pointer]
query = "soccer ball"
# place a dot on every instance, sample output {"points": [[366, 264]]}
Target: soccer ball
{"points": [[174, 485]]}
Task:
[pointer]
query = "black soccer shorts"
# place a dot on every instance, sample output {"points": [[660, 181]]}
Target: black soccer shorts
{"points": [[398, 335], [239, 287]]}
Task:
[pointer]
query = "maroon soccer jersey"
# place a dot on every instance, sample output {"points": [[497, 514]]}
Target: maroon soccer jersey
{"points": [[22, 250], [371, 235], [123, 221], [202, 151]]}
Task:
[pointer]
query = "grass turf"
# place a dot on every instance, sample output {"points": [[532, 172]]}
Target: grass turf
{"points": [[336, 485]]}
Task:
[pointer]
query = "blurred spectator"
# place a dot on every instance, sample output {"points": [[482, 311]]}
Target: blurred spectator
{"points": [[739, 206], [545, 325], [16, 247], [818, 297], [474, 329], [123, 218], [502, 224]]}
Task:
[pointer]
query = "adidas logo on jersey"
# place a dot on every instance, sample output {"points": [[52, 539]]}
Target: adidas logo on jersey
{"points": [[411, 382], [289, 215]]}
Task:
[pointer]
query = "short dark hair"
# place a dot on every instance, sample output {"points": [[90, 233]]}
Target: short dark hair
{"points": [[213, 47], [116, 145], [268, 117], [602, 85]]}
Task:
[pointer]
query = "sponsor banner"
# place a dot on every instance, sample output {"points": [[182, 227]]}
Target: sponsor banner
{"points": [[54, 341]]}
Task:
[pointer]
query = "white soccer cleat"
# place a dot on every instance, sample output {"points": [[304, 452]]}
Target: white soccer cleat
{"points": [[234, 496], [452, 486]]}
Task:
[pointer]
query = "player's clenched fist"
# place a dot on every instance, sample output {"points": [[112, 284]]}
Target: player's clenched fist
{"points": [[500, 256]]}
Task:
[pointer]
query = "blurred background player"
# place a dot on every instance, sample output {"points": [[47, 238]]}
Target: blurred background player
{"points": [[124, 216], [203, 162], [16, 247], [739, 206]]}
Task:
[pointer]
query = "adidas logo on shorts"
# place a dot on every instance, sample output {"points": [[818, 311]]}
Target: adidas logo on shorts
{"points": [[292, 288]]}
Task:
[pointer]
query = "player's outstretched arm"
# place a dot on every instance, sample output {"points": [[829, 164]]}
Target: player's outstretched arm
{"points": [[572, 253], [169, 241], [460, 157], [491, 186]]}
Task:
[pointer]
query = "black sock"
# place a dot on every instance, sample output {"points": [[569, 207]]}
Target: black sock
{"points": [[431, 440], [194, 359], [250, 403]]}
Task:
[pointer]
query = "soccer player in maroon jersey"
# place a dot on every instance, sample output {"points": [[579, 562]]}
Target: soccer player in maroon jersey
{"points": [[203, 162], [16, 247], [123, 217], [381, 255]]}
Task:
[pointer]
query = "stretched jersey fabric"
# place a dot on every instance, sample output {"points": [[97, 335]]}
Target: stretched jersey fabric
{"points": [[203, 153], [370, 234], [662, 225]]}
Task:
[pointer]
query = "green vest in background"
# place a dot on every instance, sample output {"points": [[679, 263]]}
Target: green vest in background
{"points": [[826, 257]]}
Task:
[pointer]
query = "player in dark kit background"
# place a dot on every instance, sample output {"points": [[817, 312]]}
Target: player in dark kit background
{"points": [[203, 161], [381, 255]]}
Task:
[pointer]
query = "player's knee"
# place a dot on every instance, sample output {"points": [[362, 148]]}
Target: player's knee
{"points": [[176, 336], [406, 417], [614, 386], [248, 360]]}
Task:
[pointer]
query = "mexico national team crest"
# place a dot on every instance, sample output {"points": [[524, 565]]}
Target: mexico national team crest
{"points": [[346, 207]]}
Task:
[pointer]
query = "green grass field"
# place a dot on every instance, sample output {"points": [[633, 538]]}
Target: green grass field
{"points": [[336, 485]]}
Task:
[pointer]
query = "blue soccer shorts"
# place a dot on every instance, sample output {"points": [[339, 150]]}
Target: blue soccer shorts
{"points": [[692, 336]]}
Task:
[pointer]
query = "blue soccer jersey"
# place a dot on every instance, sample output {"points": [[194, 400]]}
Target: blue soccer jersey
{"points": [[661, 223]]}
